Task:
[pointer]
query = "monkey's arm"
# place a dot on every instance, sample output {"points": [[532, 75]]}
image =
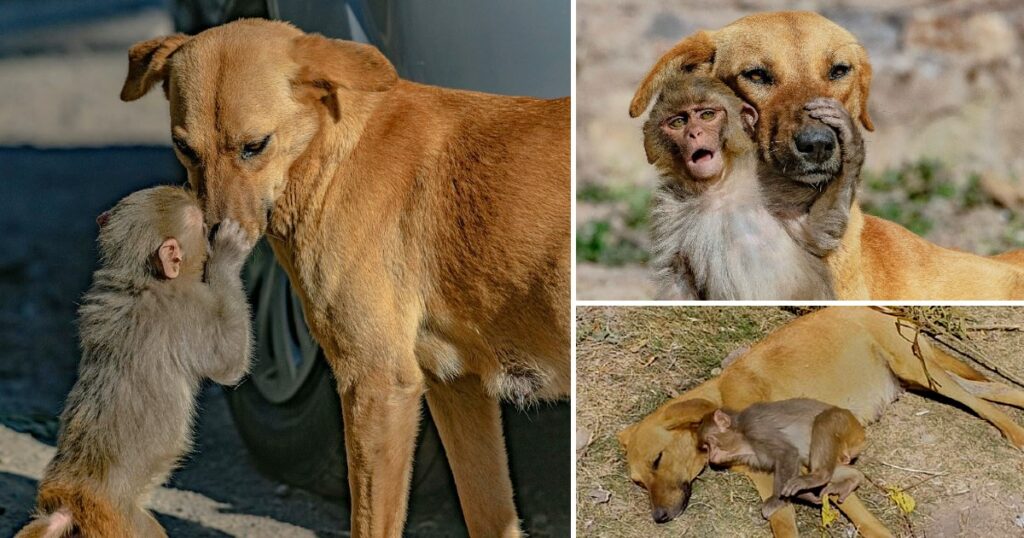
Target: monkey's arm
{"points": [[229, 317], [821, 230], [787, 467]]}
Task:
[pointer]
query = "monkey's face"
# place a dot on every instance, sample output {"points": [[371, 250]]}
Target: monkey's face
{"points": [[697, 131], [247, 98], [663, 457]]}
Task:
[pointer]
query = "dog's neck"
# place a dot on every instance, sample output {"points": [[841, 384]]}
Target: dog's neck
{"points": [[312, 172]]}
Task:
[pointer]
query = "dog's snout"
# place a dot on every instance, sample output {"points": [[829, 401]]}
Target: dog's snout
{"points": [[661, 515], [815, 143]]}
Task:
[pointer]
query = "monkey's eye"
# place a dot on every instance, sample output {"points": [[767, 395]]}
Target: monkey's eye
{"points": [[185, 150], [758, 75], [657, 461], [677, 122], [707, 115], [253, 149], [838, 71]]}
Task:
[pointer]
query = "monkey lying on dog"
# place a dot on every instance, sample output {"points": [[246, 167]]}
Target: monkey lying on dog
{"points": [[726, 227], [779, 436], [151, 330]]}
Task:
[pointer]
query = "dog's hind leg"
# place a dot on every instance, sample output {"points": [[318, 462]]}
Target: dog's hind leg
{"points": [[469, 422], [783, 520], [910, 369], [976, 383], [382, 413]]}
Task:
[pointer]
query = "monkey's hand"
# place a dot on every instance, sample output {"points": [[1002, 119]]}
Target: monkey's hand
{"points": [[230, 247], [826, 221]]}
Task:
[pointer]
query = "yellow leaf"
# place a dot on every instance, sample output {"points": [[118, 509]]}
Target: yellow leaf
{"points": [[828, 513], [903, 500]]}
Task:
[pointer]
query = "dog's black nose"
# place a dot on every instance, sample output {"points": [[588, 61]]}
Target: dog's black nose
{"points": [[661, 515], [815, 143]]}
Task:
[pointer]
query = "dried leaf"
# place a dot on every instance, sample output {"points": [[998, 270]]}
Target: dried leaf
{"points": [[829, 515], [903, 500]]}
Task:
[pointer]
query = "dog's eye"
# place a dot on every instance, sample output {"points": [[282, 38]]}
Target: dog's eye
{"points": [[758, 75], [657, 461], [677, 122], [838, 71], [185, 150], [253, 149], [640, 484]]}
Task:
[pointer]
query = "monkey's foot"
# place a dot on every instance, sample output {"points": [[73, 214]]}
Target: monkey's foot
{"points": [[771, 505]]}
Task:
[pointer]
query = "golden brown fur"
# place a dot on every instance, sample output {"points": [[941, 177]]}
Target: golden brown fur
{"points": [[425, 229], [877, 259], [843, 356]]}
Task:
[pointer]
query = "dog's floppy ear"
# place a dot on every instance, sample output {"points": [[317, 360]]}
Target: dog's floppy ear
{"points": [[686, 55], [864, 85], [687, 414], [328, 65], [147, 64]]}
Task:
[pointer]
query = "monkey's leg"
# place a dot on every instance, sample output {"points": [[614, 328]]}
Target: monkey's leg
{"points": [[382, 414], [783, 520], [909, 368], [866, 522], [469, 422], [845, 479], [829, 427]]}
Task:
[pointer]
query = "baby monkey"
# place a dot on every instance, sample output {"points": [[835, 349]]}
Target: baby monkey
{"points": [[726, 227], [779, 437], [151, 331]]}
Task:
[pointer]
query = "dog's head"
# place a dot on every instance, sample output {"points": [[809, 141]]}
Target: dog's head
{"points": [[246, 100], [663, 456], [778, 62]]}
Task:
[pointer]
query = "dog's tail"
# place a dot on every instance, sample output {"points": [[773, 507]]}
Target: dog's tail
{"points": [[73, 510]]}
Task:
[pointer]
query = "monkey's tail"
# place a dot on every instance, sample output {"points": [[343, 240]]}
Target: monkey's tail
{"points": [[66, 510]]}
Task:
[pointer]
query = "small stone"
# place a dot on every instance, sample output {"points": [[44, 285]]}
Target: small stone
{"points": [[600, 496], [283, 490]]}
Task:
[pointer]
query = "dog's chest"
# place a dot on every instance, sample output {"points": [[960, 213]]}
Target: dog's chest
{"points": [[734, 248]]}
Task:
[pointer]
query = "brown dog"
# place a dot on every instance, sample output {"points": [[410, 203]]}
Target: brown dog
{"points": [[425, 229], [778, 62], [843, 356]]}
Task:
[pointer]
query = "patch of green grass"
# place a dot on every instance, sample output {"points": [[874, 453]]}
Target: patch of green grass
{"points": [[601, 241]]}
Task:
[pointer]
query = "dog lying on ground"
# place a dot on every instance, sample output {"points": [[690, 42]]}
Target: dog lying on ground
{"points": [[851, 357], [426, 231], [780, 61]]}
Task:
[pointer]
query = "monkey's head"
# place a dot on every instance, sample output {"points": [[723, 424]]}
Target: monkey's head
{"points": [[247, 98], [156, 232], [720, 439], [697, 127], [663, 457]]}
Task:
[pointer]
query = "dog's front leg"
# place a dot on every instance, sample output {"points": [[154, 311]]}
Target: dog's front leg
{"points": [[867, 524], [382, 414], [783, 521], [469, 422]]}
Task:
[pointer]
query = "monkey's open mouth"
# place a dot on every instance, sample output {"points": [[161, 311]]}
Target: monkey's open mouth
{"points": [[702, 155]]}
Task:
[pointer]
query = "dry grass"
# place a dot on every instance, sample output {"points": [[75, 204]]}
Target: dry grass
{"points": [[630, 360]]}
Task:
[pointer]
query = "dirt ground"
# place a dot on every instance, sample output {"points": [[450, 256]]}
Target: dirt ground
{"points": [[965, 478]]}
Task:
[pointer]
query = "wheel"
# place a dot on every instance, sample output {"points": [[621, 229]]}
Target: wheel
{"points": [[287, 411]]}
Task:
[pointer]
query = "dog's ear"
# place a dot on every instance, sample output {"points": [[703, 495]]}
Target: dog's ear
{"points": [[686, 56], [625, 436], [147, 64], [864, 87], [687, 414], [327, 65]]}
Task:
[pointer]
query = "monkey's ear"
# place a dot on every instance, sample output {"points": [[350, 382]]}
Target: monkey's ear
{"points": [[626, 435], [722, 419], [147, 64], [687, 414], [864, 84], [169, 259], [103, 219], [749, 116], [685, 56], [327, 65]]}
